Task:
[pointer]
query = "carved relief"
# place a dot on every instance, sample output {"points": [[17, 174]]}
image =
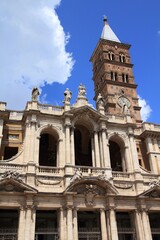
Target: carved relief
{"points": [[90, 194], [48, 181], [11, 175], [77, 176]]}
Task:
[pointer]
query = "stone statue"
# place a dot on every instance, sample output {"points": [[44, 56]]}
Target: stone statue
{"points": [[77, 176], [35, 94], [100, 100], [82, 90], [67, 96]]}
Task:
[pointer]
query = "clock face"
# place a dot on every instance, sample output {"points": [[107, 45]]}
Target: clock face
{"points": [[122, 101]]}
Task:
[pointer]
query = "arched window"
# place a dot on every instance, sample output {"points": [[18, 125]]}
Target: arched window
{"points": [[48, 150], [82, 144], [111, 56], [115, 156], [121, 57]]}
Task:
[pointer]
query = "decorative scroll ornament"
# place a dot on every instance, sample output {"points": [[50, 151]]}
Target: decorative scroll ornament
{"points": [[11, 175]]}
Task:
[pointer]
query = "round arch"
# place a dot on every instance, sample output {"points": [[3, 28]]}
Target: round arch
{"points": [[117, 152], [49, 137]]}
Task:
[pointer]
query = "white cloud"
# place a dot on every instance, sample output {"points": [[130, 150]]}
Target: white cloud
{"points": [[32, 51], [145, 109]]}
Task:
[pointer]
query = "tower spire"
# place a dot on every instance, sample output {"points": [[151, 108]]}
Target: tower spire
{"points": [[107, 32]]}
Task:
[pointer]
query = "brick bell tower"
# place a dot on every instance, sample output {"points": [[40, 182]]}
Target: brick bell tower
{"points": [[113, 75]]}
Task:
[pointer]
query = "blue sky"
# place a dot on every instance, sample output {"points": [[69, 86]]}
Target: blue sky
{"points": [[48, 43]]}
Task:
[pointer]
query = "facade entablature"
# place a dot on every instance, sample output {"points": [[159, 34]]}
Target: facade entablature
{"points": [[45, 108], [150, 128]]}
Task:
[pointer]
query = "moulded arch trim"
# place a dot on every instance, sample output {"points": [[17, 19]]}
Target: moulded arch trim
{"points": [[120, 139], [50, 129], [107, 187], [91, 125]]}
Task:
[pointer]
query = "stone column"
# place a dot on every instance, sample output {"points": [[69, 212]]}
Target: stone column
{"points": [[139, 226], [29, 224], [27, 142], [151, 155], [75, 224], [103, 224], [108, 225], [101, 150], [146, 225], [32, 141], [113, 224], [93, 152], [69, 224], [33, 223], [21, 224], [60, 154], [1, 131], [96, 145], [128, 157], [134, 153], [106, 155], [62, 225], [72, 147], [68, 155]]}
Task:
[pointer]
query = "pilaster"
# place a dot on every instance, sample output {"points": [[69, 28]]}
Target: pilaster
{"points": [[96, 145], [103, 224]]}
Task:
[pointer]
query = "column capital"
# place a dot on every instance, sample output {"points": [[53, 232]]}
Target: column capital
{"points": [[102, 209]]}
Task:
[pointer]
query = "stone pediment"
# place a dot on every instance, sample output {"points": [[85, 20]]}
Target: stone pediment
{"points": [[87, 111], [13, 185], [99, 186], [91, 188], [152, 192]]}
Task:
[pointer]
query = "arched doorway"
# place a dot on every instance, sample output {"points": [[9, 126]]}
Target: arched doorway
{"points": [[48, 150], [115, 156], [82, 140]]}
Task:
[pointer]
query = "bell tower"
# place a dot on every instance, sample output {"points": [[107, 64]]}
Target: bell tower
{"points": [[113, 75]]}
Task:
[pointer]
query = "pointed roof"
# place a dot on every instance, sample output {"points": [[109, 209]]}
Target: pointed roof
{"points": [[107, 32]]}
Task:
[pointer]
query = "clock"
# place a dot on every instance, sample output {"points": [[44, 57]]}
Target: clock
{"points": [[123, 101]]}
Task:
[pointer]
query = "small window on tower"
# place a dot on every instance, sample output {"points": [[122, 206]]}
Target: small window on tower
{"points": [[121, 57], [111, 56], [125, 78], [113, 76]]}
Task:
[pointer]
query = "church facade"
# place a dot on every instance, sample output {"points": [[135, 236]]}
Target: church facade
{"points": [[75, 172]]}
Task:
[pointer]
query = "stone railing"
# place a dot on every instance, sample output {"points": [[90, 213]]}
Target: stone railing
{"points": [[12, 167], [88, 171], [40, 170], [126, 230], [94, 229], [121, 175], [155, 230], [150, 177], [8, 230], [50, 109]]}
